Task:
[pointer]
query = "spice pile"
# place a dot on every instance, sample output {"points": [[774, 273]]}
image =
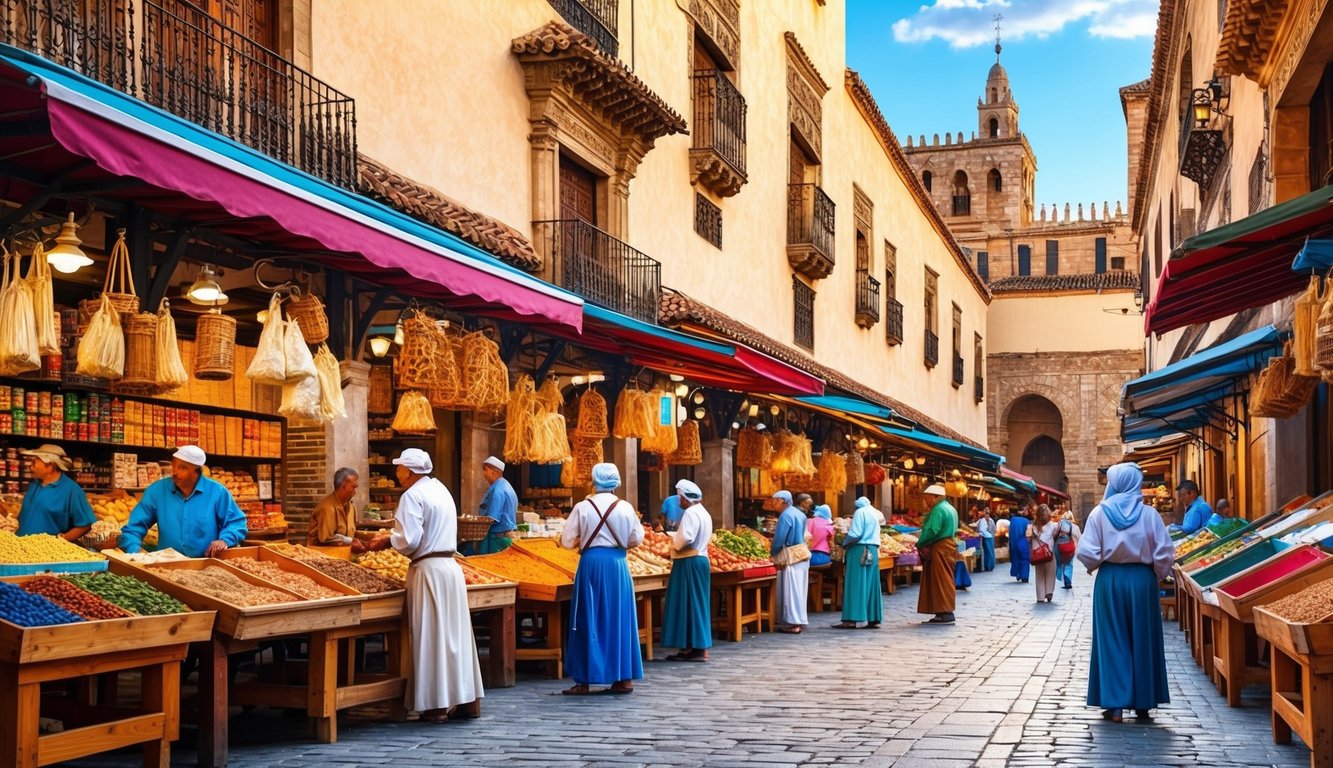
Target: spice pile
{"points": [[41, 548], [132, 594], [551, 551], [224, 585], [521, 568], [19, 607], [471, 575], [1310, 605], [73, 599], [361, 579], [295, 582]]}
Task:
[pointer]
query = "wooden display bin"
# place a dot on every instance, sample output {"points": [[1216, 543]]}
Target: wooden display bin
{"points": [[1302, 680], [155, 645], [739, 601]]}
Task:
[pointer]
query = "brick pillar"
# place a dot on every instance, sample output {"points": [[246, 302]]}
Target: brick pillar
{"points": [[348, 443], [307, 473], [716, 477]]}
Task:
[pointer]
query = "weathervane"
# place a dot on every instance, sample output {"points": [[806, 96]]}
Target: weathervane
{"points": [[997, 18]]}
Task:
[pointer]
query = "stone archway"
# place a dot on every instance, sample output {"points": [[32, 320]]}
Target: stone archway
{"points": [[1034, 430], [1044, 461]]}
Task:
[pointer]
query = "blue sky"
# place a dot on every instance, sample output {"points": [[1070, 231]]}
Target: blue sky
{"points": [[926, 62]]}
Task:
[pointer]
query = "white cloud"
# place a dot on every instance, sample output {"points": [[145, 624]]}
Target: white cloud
{"points": [[968, 23]]}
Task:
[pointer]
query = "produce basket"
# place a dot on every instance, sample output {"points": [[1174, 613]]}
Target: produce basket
{"points": [[474, 528]]}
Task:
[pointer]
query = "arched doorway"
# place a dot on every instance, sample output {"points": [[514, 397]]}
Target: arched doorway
{"points": [[1035, 429]]}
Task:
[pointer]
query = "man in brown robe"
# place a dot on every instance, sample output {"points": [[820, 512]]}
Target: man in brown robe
{"points": [[939, 552]]}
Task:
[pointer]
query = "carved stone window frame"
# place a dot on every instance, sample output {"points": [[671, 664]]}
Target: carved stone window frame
{"points": [[805, 95]]}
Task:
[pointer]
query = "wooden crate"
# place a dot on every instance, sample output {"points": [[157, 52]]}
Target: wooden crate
{"points": [[253, 622], [1314, 639], [527, 590], [1242, 606], [26, 645]]}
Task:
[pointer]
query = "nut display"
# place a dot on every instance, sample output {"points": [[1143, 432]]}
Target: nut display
{"points": [[1312, 604], [19, 607], [41, 548], [73, 599], [132, 594], [361, 579], [225, 585], [296, 582], [387, 563]]}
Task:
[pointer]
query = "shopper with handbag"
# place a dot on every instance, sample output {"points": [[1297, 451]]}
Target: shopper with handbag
{"points": [[939, 551], [791, 555], [1127, 543], [1041, 544], [861, 599], [1067, 534]]}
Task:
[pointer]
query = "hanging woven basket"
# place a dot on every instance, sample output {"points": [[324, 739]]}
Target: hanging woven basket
{"points": [[140, 352], [215, 347], [689, 449], [308, 310], [119, 285]]}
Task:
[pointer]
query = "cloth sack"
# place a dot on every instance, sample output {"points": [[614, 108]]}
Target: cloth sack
{"points": [[796, 553], [43, 303], [269, 365], [19, 349]]}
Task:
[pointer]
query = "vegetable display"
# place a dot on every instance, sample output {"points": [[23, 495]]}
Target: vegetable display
{"points": [[19, 607], [739, 545], [127, 592]]}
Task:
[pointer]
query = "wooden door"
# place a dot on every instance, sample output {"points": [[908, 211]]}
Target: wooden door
{"points": [[583, 250], [578, 192]]}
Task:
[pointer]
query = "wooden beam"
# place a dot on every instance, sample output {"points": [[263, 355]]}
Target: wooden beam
{"points": [[363, 324], [553, 354], [511, 341], [162, 275], [335, 301]]}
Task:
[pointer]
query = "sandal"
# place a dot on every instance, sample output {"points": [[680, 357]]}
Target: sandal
{"points": [[871, 625], [620, 689], [470, 711], [790, 630], [682, 656], [845, 625], [1114, 715], [578, 690], [434, 716]]}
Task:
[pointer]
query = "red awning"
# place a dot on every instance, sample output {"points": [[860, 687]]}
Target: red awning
{"points": [[1049, 491]]}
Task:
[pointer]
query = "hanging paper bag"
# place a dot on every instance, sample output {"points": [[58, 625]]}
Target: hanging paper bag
{"points": [[170, 368], [300, 364], [300, 400], [43, 303], [18, 332], [269, 365], [331, 404], [101, 352]]}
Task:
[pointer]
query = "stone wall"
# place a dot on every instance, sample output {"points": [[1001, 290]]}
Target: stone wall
{"points": [[1085, 388]]}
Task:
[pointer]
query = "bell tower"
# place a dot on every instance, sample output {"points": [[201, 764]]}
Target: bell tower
{"points": [[997, 112]]}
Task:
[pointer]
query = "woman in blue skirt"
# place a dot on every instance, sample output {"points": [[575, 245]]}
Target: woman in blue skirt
{"points": [[1125, 541], [1020, 557], [602, 647], [687, 621], [861, 600]]}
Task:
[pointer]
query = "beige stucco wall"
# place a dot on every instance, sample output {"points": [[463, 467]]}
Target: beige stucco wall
{"points": [[440, 98], [1074, 322]]}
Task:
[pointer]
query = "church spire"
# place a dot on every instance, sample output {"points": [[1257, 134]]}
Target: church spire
{"points": [[999, 17]]}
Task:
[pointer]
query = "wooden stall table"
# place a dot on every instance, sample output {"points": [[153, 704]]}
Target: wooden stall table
{"points": [[543, 592], [492, 606], [826, 580], [648, 593], [886, 564], [1302, 680], [155, 645], [741, 598], [1208, 626]]}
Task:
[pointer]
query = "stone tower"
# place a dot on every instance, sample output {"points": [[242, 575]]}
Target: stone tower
{"points": [[997, 112]]}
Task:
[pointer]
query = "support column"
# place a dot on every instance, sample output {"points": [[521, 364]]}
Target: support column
{"points": [[1291, 152], [473, 448], [347, 439], [716, 477], [545, 192], [625, 455]]}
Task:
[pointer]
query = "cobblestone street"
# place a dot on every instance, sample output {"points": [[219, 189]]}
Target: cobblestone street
{"points": [[1004, 686]]}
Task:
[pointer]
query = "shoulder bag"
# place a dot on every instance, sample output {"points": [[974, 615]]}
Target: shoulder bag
{"points": [[1041, 551], [791, 555], [1064, 542]]}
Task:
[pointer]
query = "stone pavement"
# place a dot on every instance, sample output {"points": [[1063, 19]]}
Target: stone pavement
{"points": [[1004, 686]]}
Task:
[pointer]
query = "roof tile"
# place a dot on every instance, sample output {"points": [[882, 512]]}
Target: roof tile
{"points": [[1114, 280]]}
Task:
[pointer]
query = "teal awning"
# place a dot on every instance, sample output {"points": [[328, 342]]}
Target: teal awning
{"points": [[851, 405], [971, 455]]}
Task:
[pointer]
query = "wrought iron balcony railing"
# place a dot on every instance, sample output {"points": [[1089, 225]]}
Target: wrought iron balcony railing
{"points": [[962, 205], [597, 19], [192, 65], [979, 387], [718, 152], [809, 230], [893, 323], [867, 299], [600, 268], [803, 322], [957, 371], [932, 349]]}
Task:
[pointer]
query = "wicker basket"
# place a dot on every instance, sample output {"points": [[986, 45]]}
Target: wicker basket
{"points": [[689, 450], [474, 528], [215, 347], [308, 311], [119, 285], [380, 398], [140, 351]]}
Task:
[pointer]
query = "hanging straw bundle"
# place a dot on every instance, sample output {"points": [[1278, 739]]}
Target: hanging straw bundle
{"points": [[414, 414], [1303, 324], [663, 441], [567, 470], [804, 483], [754, 449], [43, 303], [520, 420], [450, 391], [19, 350], [636, 414], [550, 441], [420, 356], [587, 452], [592, 416], [101, 352], [856, 469], [484, 374], [689, 450], [832, 471], [170, 369], [549, 397], [793, 455], [332, 405]]}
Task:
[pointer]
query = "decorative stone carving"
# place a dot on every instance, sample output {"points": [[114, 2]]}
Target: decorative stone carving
{"points": [[710, 171], [720, 22], [805, 93]]}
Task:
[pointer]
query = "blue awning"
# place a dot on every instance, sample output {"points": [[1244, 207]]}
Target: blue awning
{"points": [[977, 457], [851, 405], [1314, 256], [1181, 397]]}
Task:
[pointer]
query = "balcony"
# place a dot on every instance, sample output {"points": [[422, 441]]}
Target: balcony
{"points": [[597, 19], [979, 387], [188, 63], [932, 349], [717, 157], [809, 230], [867, 299], [957, 371], [962, 205], [600, 268], [893, 323]]}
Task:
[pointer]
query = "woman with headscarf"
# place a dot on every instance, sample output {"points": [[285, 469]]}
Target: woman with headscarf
{"points": [[1020, 557], [1126, 540], [1043, 532], [686, 621], [861, 600], [603, 642], [820, 530], [794, 579]]}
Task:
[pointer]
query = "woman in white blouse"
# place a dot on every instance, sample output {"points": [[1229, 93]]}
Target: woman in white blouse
{"points": [[1126, 543], [1042, 531], [603, 642]]}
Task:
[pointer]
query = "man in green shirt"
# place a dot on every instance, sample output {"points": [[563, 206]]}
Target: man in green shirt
{"points": [[939, 552]]}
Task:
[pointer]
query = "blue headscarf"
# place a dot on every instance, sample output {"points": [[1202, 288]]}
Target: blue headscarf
{"points": [[605, 477], [824, 511], [862, 501], [1123, 502]]}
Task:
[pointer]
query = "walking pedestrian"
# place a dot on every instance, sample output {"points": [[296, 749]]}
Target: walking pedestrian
{"points": [[603, 645], [1067, 534], [1042, 532], [861, 600], [1020, 557], [794, 577], [986, 530], [938, 551], [686, 622], [1126, 540], [820, 529], [446, 673]]}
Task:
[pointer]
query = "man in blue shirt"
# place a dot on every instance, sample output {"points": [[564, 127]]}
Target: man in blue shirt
{"points": [[54, 503], [1196, 509], [195, 515], [671, 512], [501, 504]]}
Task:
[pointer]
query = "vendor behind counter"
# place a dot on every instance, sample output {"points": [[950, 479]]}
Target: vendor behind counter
{"points": [[54, 503]]}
